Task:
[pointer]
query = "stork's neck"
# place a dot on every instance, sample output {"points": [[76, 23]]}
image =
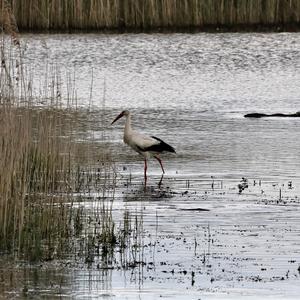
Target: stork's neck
{"points": [[128, 128]]}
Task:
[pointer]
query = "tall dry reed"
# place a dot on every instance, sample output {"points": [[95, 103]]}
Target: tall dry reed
{"points": [[47, 172], [148, 14], [35, 161]]}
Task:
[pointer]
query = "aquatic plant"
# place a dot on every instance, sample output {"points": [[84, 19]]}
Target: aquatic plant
{"points": [[51, 176], [35, 179], [36, 158], [148, 14], [44, 166]]}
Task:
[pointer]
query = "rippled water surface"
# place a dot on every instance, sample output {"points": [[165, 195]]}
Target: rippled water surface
{"points": [[192, 90], [213, 72]]}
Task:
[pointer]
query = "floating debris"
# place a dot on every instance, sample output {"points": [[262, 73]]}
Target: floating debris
{"points": [[243, 185]]}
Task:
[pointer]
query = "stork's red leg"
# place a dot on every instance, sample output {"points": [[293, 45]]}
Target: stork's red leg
{"points": [[160, 162]]}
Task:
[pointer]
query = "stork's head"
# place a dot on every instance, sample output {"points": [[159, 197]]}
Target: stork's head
{"points": [[122, 114]]}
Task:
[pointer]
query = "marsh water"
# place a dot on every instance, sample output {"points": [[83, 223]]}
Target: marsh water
{"points": [[191, 90], [205, 237]]}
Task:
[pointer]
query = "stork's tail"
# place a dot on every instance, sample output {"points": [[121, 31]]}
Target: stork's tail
{"points": [[164, 146]]}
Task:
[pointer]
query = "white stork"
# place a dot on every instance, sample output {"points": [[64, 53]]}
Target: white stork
{"points": [[144, 145]]}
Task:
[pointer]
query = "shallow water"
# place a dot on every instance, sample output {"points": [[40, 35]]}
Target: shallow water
{"points": [[207, 241], [191, 90]]}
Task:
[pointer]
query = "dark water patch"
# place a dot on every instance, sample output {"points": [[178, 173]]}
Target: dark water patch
{"points": [[195, 209]]}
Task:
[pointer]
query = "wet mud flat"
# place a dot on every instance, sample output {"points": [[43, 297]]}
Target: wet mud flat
{"points": [[200, 237]]}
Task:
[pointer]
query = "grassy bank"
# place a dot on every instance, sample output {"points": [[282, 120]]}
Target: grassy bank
{"points": [[151, 14]]}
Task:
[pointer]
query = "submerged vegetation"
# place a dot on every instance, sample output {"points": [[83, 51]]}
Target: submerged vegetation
{"points": [[149, 14]]}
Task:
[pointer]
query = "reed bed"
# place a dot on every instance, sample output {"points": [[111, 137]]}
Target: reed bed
{"points": [[148, 14], [35, 177], [50, 173], [37, 154]]}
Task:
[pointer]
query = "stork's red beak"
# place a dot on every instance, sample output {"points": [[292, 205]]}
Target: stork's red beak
{"points": [[118, 117]]}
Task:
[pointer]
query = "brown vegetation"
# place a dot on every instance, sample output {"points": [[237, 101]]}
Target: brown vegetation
{"points": [[42, 164], [36, 153], [149, 14], [49, 171]]}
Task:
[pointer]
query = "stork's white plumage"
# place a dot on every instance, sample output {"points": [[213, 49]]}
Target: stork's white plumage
{"points": [[144, 145]]}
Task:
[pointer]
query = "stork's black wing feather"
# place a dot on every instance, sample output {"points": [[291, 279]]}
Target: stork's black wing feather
{"points": [[162, 146]]}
